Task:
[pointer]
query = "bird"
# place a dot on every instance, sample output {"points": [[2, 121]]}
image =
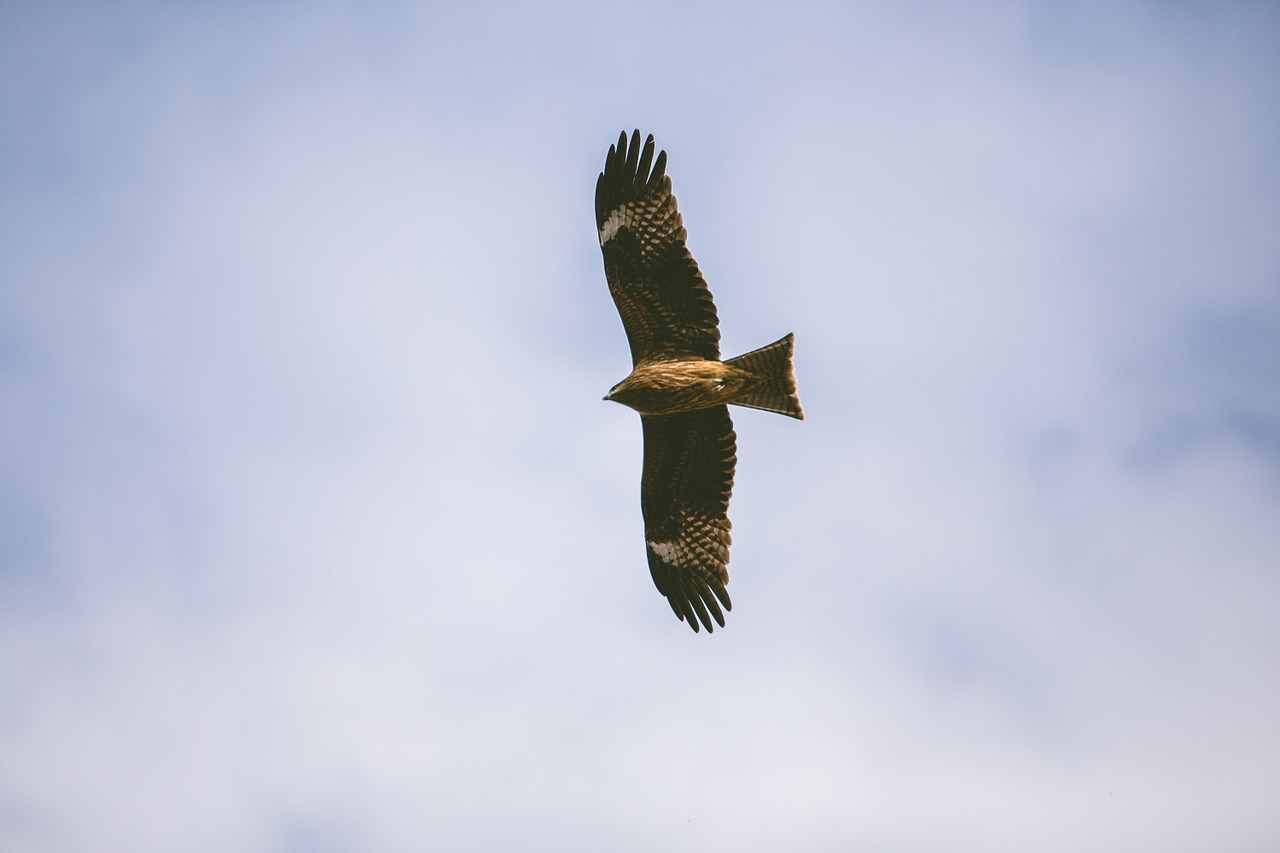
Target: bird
{"points": [[678, 383]]}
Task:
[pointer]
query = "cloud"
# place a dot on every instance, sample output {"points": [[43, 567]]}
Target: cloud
{"points": [[318, 537]]}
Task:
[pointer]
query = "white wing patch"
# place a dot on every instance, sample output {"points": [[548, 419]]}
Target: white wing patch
{"points": [[669, 552], [617, 219]]}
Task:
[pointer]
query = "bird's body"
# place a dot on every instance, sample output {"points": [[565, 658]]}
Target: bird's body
{"points": [[669, 387], [678, 383]]}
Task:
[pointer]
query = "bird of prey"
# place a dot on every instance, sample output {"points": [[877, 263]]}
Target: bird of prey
{"points": [[678, 383]]}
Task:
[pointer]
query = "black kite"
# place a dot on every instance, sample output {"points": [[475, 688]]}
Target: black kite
{"points": [[678, 383]]}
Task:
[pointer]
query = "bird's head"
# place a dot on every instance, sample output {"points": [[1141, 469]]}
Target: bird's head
{"points": [[629, 392], [614, 390]]}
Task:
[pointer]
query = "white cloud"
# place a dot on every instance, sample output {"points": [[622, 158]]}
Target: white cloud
{"points": [[274, 580]]}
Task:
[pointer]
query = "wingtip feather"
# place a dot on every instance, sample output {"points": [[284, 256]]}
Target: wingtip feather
{"points": [[659, 174], [646, 160], [695, 600]]}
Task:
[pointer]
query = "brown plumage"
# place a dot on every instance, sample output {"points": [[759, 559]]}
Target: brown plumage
{"points": [[678, 383]]}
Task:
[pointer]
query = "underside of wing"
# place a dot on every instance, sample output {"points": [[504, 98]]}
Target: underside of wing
{"points": [[665, 305], [688, 476]]}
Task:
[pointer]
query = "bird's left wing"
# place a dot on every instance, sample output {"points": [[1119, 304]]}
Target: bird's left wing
{"points": [[684, 493], [665, 305]]}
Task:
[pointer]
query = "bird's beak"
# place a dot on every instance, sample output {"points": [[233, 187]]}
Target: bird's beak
{"points": [[605, 397]]}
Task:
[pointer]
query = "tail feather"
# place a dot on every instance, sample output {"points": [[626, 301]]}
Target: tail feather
{"points": [[772, 386]]}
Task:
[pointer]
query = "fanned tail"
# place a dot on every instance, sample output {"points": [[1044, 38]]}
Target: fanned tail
{"points": [[772, 386]]}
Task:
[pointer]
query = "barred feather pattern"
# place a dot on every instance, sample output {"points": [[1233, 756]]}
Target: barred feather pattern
{"points": [[770, 380], [664, 302], [684, 495]]}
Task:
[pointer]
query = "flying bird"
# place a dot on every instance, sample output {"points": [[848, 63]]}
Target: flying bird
{"points": [[678, 383]]}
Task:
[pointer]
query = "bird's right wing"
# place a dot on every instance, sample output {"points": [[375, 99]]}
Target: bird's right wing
{"points": [[684, 493], [665, 305]]}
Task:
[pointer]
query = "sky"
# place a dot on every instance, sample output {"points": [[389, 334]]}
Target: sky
{"points": [[315, 534]]}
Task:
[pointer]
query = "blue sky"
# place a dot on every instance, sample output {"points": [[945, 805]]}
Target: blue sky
{"points": [[315, 534]]}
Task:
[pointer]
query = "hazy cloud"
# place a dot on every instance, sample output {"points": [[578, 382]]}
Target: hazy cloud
{"points": [[316, 536]]}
